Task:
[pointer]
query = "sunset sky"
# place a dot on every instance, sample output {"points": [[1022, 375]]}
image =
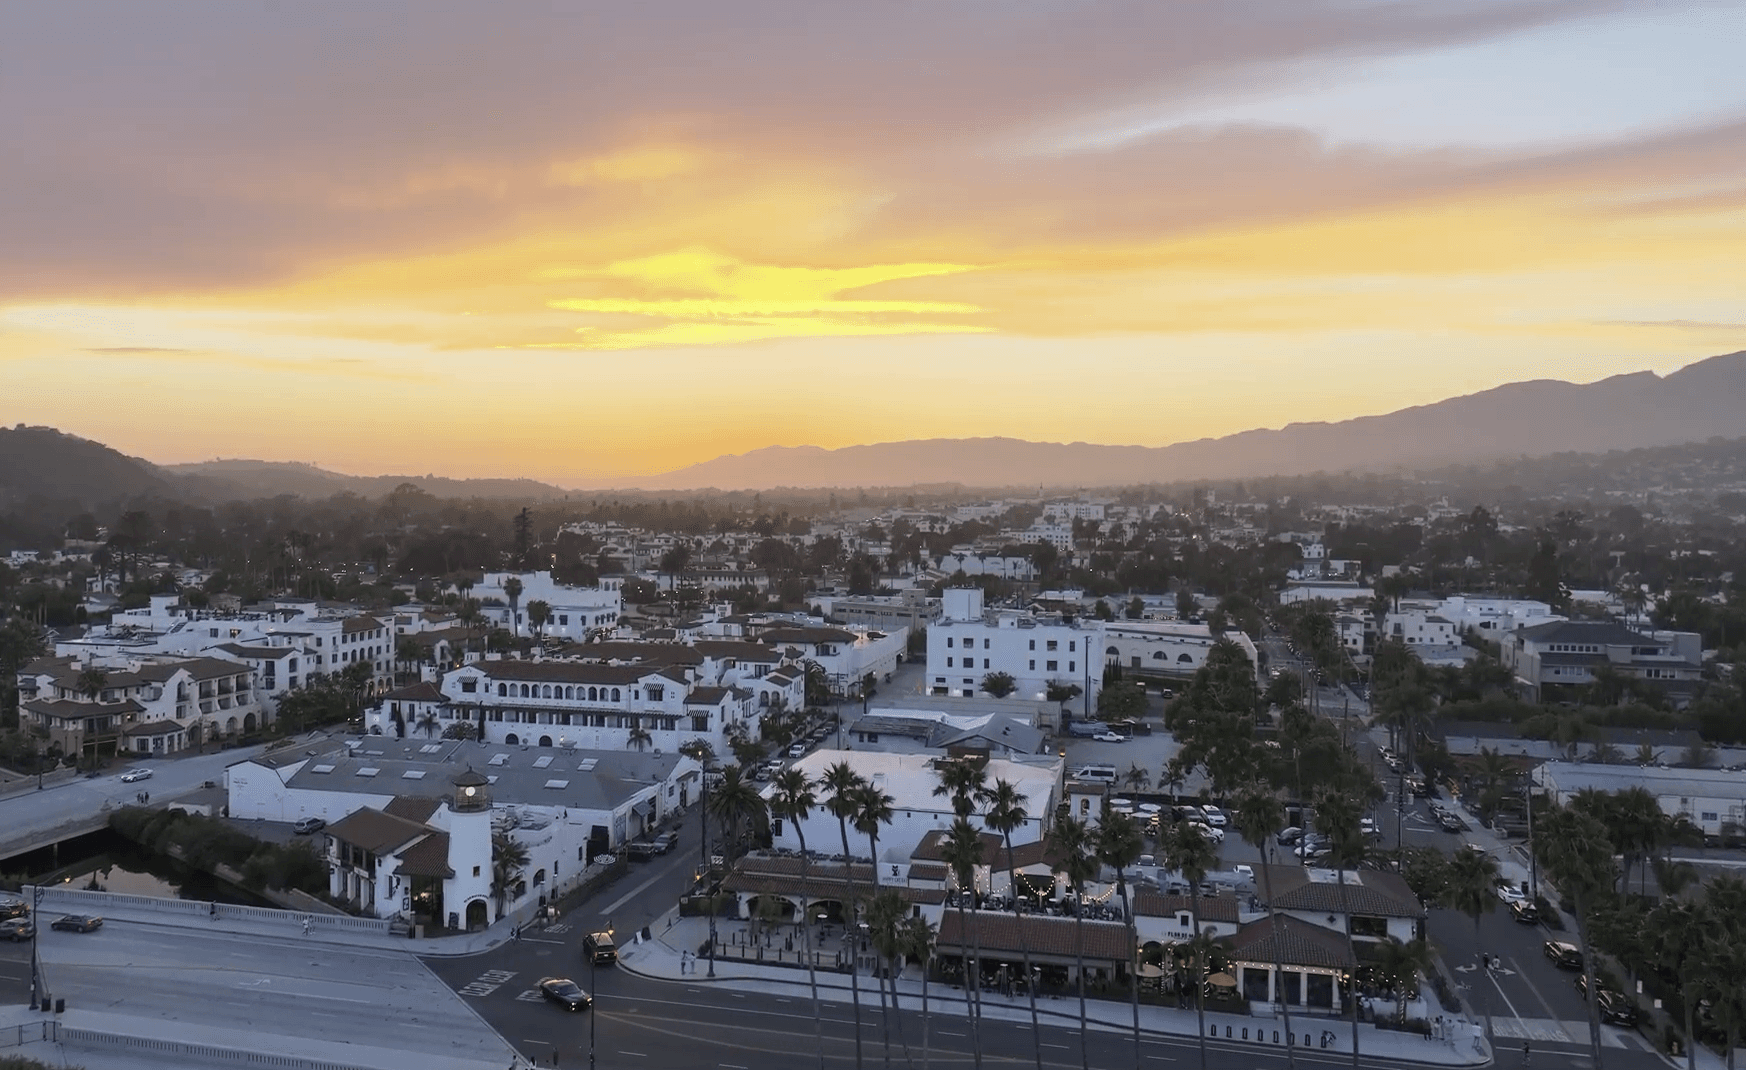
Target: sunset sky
{"points": [[587, 241]]}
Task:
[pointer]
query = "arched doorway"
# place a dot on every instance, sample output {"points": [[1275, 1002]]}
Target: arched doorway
{"points": [[230, 727], [478, 915], [249, 723], [511, 739], [545, 741]]}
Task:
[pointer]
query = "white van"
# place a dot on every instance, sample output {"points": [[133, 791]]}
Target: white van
{"points": [[1103, 774]]}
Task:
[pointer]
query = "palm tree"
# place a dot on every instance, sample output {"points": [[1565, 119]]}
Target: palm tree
{"points": [[508, 857], [1073, 846], [1006, 814], [1401, 965], [873, 808], [1259, 819], [639, 736], [792, 800], [841, 780], [1187, 852], [1337, 814], [1575, 851], [965, 780], [737, 808], [1119, 845], [512, 591], [427, 720], [407, 651], [1680, 932], [539, 612], [1137, 778], [1472, 889], [918, 941], [885, 916], [961, 849]]}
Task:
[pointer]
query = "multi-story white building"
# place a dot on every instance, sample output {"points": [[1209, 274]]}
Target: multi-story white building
{"points": [[973, 564], [576, 612], [1417, 627], [846, 656], [966, 644], [142, 705], [1569, 653]]}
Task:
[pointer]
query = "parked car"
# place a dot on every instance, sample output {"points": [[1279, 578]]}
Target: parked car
{"points": [[601, 948], [13, 908], [1615, 1006], [1451, 823], [77, 923], [136, 774], [17, 929], [1208, 832], [1509, 893], [566, 993], [1525, 912], [1289, 837], [1564, 955], [1214, 816], [1110, 737], [641, 851], [666, 841], [308, 825], [798, 750]]}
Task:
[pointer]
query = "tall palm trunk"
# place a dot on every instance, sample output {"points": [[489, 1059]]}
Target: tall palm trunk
{"points": [[1199, 977], [1594, 1030], [1025, 950], [1346, 909], [1278, 958], [1485, 990], [851, 933], [926, 1021], [884, 1015], [969, 987], [806, 945], [1133, 958], [1079, 964], [976, 966], [896, 1011]]}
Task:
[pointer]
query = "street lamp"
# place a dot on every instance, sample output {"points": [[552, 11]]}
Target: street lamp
{"points": [[41, 756], [35, 962]]}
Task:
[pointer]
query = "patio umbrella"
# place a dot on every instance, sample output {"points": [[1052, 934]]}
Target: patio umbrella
{"points": [[1222, 980]]}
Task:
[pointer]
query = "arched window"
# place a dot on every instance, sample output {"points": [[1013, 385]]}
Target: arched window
{"points": [[1113, 652], [615, 694], [593, 694], [548, 691], [1159, 655], [524, 693], [502, 690], [1184, 659]]}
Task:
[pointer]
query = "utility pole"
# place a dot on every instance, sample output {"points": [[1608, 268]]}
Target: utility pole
{"points": [[1533, 863]]}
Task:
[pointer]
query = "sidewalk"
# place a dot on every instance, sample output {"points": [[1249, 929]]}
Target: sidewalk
{"points": [[659, 958]]}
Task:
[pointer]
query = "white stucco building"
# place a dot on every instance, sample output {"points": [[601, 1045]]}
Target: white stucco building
{"points": [[966, 644], [576, 612]]}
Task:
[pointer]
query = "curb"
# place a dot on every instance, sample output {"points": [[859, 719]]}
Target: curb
{"points": [[1071, 1018]]}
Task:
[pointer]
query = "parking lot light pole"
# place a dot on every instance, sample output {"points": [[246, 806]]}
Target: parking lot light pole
{"points": [[593, 994], [35, 962]]}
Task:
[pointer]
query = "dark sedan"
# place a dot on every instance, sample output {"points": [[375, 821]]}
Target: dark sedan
{"points": [[1289, 837], [1565, 956], [78, 923], [13, 908], [17, 929], [1615, 1006], [566, 993], [1525, 912]]}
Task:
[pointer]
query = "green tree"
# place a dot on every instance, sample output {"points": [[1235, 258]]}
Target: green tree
{"points": [[1121, 701], [1005, 815], [508, 858], [1573, 848], [1259, 819], [961, 850], [1119, 844], [512, 590], [539, 614], [792, 799], [1073, 849], [918, 942], [737, 807], [1471, 888], [1186, 851], [999, 684], [843, 783]]}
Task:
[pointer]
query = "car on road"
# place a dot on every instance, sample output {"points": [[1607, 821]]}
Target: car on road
{"points": [[600, 948], [1214, 816], [1289, 837], [1450, 822], [640, 851], [797, 751], [1525, 912], [1509, 893], [1615, 1006], [1563, 954], [666, 841], [1208, 832], [566, 993], [308, 825], [13, 908], [77, 923], [136, 774], [17, 929], [1110, 737]]}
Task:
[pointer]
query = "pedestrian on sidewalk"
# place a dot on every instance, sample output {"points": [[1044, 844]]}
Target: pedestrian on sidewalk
{"points": [[1526, 1053], [554, 1055], [305, 926]]}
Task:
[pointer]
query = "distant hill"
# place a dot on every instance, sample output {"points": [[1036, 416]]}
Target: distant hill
{"points": [[225, 480], [1535, 418], [42, 463]]}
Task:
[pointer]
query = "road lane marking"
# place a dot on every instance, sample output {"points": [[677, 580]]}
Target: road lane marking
{"points": [[731, 1066], [632, 894], [638, 1054]]}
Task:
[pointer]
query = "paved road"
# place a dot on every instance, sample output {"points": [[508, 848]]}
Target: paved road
{"points": [[284, 989], [24, 815]]}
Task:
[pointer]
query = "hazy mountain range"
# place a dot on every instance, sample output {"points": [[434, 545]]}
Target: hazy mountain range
{"points": [[1698, 402]]}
